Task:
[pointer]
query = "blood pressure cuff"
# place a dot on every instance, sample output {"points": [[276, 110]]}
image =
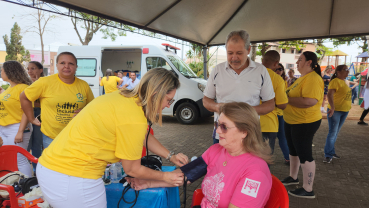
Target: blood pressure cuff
{"points": [[195, 169]]}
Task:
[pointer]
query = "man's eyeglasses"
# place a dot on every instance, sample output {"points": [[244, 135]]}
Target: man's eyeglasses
{"points": [[223, 127]]}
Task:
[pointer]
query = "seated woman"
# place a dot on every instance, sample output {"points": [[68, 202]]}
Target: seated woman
{"points": [[237, 171]]}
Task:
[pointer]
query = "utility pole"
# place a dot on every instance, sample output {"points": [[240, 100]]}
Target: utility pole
{"points": [[205, 61]]}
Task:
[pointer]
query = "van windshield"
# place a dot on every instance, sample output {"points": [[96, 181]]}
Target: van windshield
{"points": [[182, 67]]}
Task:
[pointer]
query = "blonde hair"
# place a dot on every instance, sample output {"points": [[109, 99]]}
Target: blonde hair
{"points": [[247, 120], [108, 73], [151, 91]]}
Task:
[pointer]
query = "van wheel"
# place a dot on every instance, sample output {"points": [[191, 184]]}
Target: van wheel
{"points": [[187, 113]]}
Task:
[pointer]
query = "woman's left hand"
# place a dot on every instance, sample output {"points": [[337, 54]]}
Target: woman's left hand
{"points": [[138, 184], [18, 138], [179, 159], [330, 112]]}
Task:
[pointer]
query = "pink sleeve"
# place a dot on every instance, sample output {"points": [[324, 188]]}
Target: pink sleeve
{"points": [[210, 152], [252, 190]]}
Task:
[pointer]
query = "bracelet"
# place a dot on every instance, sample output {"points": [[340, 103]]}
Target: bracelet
{"points": [[171, 153]]}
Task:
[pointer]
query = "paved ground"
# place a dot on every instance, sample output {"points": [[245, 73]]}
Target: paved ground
{"points": [[345, 183]]}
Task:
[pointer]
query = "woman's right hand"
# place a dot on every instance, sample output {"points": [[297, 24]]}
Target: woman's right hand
{"points": [[36, 122], [176, 179]]}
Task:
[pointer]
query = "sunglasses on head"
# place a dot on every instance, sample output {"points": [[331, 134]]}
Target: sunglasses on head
{"points": [[223, 127]]}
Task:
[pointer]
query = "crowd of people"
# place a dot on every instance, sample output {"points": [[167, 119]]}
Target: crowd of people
{"points": [[75, 135]]}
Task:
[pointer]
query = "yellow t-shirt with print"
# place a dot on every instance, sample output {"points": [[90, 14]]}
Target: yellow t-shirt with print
{"points": [[269, 122], [58, 101], [309, 86], [10, 107], [342, 96], [112, 127], [111, 84], [280, 111]]}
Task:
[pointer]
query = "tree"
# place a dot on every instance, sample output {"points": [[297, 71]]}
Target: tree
{"points": [[361, 41], [42, 18], [14, 48], [195, 54], [92, 24], [321, 49], [262, 48], [298, 44]]}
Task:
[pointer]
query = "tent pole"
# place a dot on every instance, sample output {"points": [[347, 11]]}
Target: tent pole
{"points": [[205, 61], [345, 59], [328, 61]]}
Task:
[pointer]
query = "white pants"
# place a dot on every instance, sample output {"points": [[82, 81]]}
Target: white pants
{"points": [[8, 134], [63, 191]]}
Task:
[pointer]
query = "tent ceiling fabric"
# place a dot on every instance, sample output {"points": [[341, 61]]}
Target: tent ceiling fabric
{"points": [[199, 20]]}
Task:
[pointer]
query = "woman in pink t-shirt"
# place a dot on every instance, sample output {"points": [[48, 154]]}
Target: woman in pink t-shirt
{"points": [[237, 171]]}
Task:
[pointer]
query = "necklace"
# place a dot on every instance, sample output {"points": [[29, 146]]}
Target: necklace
{"points": [[225, 162]]}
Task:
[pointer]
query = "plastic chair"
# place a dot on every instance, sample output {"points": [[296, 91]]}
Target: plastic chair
{"points": [[278, 197], [8, 161]]}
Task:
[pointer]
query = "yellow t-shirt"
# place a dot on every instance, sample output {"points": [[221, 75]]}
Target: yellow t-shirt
{"points": [[269, 122], [110, 128], [10, 107], [111, 84], [280, 111], [58, 101], [310, 86], [342, 96]]}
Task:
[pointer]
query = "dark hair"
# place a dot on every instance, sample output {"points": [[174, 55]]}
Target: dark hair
{"points": [[66, 53], [283, 75], [39, 66], [314, 61], [338, 68], [16, 73]]}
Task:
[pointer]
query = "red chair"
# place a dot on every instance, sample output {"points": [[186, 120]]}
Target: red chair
{"points": [[278, 197], [8, 161]]}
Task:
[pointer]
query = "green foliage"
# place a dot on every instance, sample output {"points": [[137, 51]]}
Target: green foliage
{"points": [[14, 48], [196, 60], [361, 41], [92, 24], [5, 86], [298, 44], [321, 50]]}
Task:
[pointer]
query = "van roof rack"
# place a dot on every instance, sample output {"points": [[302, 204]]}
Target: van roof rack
{"points": [[171, 47]]}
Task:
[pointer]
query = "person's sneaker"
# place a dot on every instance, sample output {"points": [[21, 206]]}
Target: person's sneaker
{"points": [[362, 123], [336, 156], [290, 181], [300, 192], [327, 160]]}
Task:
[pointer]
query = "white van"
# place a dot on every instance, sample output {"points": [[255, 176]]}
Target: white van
{"points": [[94, 60]]}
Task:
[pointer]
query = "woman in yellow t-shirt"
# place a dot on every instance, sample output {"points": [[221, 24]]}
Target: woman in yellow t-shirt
{"points": [[302, 119], [339, 99], [110, 82], [110, 129], [14, 127], [61, 96]]}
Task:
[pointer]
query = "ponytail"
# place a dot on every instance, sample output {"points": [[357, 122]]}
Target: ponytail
{"points": [[338, 68], [108, 73], [317, 69]]}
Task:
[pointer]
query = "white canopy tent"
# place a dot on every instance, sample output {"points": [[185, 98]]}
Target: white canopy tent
{"points": [[207, 22]]}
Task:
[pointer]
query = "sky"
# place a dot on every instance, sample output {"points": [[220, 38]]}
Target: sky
{"points": [[63, 33]]}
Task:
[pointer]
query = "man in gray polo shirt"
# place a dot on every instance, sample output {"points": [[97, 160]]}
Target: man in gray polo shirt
{"points": [[238, 79]]}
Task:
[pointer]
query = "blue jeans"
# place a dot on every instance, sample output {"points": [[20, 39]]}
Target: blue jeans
{"points": [[353, 94], [35, 143], [335, 123], [282, 139], [47, 140]]}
